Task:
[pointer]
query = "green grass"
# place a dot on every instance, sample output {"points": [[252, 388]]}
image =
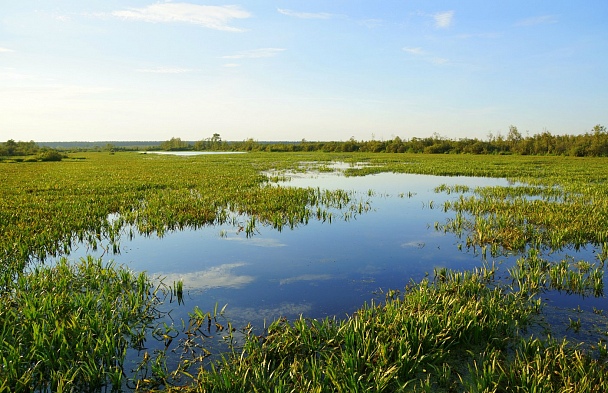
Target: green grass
{"points": [[68, 327]]}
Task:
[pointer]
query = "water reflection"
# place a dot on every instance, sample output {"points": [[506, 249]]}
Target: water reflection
{"points": [[192, 153], [305, 277], [221, 276], [257, 241], [332, 268]]}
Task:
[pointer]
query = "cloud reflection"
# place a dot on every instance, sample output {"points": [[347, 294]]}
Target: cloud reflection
{"points": [[257, 241], [305, 277], [413, 244], [221, 276]]}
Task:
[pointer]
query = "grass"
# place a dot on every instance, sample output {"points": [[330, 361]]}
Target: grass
{"points": [[67, 327]]}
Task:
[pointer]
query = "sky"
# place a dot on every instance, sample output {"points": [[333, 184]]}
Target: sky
{"points": [[142, 70]]}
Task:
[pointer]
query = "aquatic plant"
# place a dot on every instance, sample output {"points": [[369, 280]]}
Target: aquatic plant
{"points": [[68, 327]]}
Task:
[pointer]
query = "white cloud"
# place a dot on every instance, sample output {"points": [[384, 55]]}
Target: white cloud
{"points": [[538, 20], [5, 50], [255, 53], [212, 17], [414, 51], [165, 70], [305, 15], [216, 277], [443, 20]]}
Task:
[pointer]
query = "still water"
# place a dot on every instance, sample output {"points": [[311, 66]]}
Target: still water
{"points": [[315, 270], [319, 269], [323, 269]]}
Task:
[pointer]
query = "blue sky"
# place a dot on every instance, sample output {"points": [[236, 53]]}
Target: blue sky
{"points": [[100, 70]]}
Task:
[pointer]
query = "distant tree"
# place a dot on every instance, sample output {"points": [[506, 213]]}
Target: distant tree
{"points": [[250, 145], [599, 141], [11, 147], [175, 144]]}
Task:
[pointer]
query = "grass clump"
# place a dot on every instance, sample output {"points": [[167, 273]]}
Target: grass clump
{"points": [[67, 327]]}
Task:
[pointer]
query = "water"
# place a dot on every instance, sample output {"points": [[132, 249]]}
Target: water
{"points": [[192, 153], [320, 269], [315, 270]]}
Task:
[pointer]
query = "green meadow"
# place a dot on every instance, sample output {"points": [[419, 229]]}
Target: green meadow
{"points": [[68, 326]]}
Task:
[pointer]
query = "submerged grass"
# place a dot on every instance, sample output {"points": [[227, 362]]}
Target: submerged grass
{"points": [[68, 326]]}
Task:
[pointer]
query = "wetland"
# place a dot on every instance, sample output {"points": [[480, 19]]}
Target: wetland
{"points": [[487, 260]]}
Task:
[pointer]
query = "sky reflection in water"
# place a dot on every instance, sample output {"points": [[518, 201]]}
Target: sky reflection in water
{"points": [[319, 269]]}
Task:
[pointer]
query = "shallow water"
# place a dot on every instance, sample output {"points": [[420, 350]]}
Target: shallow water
{"points": [[320, 269], [192, 153]]}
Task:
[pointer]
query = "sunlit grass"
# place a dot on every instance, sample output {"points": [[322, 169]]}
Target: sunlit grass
{"points": [[68, 327]]}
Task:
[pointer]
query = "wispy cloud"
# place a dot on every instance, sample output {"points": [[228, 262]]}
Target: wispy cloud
{"points": [[419, 52], [5, 50], [537, 20], [305, 15], [439, 60], [13, 74], [489, 35], [255, 53], [414, 51], [305, 277], [212, 17], [443, 20], [165, 70], [372, 23]]}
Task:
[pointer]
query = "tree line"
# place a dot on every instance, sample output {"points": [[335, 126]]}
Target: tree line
{"points": [[11, 148], [590, 144]]}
